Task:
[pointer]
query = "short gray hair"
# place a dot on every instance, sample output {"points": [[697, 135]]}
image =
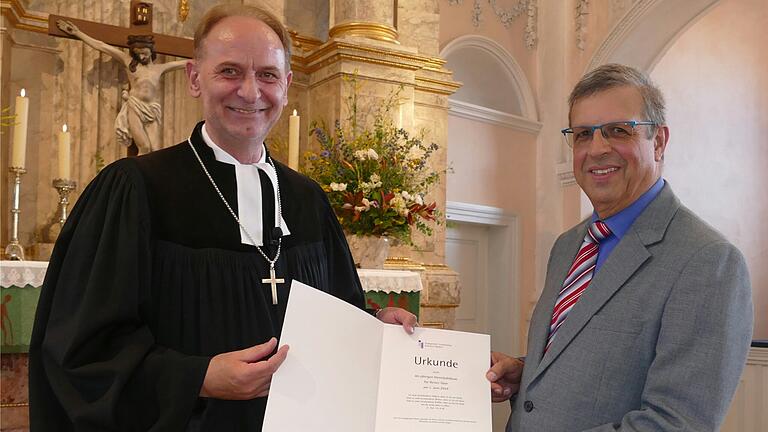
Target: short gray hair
{"points": [[612, 75]]}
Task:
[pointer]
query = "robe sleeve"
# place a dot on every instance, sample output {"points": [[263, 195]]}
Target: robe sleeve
{"points": [[94, 364]]}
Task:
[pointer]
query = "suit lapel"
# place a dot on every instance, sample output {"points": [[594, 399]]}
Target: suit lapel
{"points": [[625, 259], [542, 314]]}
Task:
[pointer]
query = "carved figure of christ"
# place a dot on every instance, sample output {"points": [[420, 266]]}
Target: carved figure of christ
{"points": [[140, 115]]}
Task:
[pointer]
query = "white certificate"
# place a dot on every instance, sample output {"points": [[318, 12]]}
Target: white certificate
{"points": [[347, 371]]}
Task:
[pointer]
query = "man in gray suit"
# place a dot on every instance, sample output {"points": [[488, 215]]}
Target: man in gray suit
{"points": [[645, 319]]}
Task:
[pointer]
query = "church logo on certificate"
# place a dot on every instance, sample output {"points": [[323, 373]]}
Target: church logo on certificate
{"points": [[422, 343]]}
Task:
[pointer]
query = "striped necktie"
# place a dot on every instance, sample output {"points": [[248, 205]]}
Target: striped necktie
{"points": [[578, 278]]}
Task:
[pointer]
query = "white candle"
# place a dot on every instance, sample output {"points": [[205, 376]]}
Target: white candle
{"points": [[64, 153], [19, 149], [293, 140]]}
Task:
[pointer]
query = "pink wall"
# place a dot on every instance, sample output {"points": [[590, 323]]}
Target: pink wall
{"points": [[492, 165], [715, 77], [496, 166]]}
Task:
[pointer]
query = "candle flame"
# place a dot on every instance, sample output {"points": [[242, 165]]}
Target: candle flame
{"points": [[64, 128], [294, 112], [23, 92]]}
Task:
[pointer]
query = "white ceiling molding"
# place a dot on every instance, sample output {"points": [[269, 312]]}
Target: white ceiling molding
{"points": [[487, 115], [516, 75], [478, 214], [647, 30]]}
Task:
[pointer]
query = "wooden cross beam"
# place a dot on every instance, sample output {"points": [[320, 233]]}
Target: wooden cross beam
{"points": [[141, 24]]}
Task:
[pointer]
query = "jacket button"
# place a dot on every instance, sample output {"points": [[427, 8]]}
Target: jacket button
{"points": [[528, 406]]}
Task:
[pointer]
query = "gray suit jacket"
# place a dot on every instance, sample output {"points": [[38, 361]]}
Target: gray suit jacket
{"points": [[658, 340]]}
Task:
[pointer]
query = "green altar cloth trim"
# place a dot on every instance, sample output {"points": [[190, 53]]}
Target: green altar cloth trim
{"points": [[18, 315], [406, 300]]}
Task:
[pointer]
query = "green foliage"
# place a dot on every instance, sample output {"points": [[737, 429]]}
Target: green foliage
{"points": [[375, 174], [98, 160], [6, 118]]}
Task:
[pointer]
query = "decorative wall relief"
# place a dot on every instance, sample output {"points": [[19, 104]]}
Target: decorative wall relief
{"points": [[183, 10], [476, 11], [582, 10], [506, 16]]}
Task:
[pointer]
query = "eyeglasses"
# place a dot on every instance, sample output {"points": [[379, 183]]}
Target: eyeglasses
{"points": [[615, 132]]}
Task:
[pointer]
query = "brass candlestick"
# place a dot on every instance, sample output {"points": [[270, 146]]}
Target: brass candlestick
{"points": [[14, 251], [64, 187]]}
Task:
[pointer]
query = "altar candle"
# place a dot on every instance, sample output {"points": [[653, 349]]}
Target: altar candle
{"points": [[19, 149], [64, 153], [293, 140]]}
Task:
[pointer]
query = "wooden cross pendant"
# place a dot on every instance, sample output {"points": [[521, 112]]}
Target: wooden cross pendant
{"points": [[272, 280]]}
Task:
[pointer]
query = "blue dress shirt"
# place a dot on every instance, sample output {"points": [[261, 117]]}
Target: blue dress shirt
{"points": [[621, 221]]}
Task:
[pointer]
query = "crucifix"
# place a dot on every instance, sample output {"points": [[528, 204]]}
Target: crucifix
{"points": [[137, 125], [272, 280]]}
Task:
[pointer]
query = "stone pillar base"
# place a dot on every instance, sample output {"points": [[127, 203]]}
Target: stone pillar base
{"points": [[14, 408], [441, 293]]}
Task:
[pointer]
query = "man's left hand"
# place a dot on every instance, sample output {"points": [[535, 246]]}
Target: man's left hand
{"points": [[504, 375], [393, 315]]}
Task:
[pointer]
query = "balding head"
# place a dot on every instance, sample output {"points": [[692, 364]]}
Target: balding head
{"points": [[217, 13]]}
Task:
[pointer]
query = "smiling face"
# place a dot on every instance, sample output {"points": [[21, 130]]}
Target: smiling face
{"points": [[614, 175], [242, 80]]}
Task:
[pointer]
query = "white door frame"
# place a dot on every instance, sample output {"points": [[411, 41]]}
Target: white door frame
{"points": [[502, 274]]}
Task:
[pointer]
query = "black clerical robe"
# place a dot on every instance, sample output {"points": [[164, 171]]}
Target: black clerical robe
{"points": [[149, 280]]}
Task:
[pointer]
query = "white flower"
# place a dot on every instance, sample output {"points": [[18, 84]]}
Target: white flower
{"points": [[366, 154], [415, 153], [419, 199], [338, 187], [406, 196], [365, 207], [375, 182], [397, 202]]}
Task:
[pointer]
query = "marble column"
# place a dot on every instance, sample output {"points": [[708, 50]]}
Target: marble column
{"points": [[363, 43], [372, 19]]}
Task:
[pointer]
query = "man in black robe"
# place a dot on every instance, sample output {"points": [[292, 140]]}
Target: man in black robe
{"points": [[154, 314]]}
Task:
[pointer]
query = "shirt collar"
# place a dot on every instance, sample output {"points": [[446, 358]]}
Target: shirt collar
{"points": [[620, 222], [223, 156]]}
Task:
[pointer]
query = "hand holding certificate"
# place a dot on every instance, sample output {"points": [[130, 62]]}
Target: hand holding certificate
{"points": [[346, 371]]}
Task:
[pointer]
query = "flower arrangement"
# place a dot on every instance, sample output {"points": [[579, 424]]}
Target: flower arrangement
{"points": [[376, 177]]}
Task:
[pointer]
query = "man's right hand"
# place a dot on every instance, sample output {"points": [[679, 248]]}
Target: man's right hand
{"points": [[243, 375]]}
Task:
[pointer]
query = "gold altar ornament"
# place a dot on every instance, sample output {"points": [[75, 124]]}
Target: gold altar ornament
{"points": [[183, 10]]}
